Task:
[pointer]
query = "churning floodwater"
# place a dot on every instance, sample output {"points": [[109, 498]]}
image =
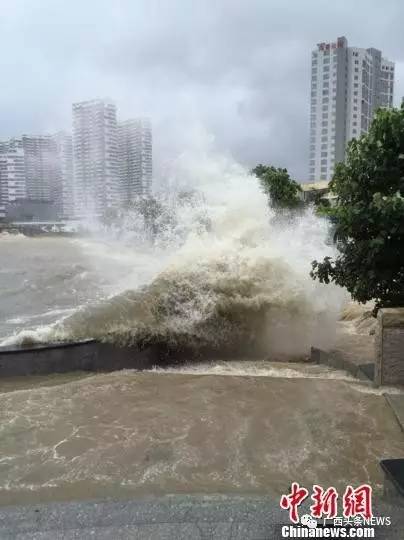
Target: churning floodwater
{"points": [[131, 433], [46, 279], [217, 268]]}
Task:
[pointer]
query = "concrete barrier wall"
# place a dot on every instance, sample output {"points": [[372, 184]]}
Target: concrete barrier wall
{"points": [[389, 366], [82, 356], [91, 355], [339, 360]]}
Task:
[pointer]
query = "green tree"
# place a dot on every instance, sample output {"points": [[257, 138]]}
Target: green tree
{"points": [[279, 186], [370, 215], [156, 215]]}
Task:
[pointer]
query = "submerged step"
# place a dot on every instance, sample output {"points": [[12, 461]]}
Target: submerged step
{"points": [[338, 360]]}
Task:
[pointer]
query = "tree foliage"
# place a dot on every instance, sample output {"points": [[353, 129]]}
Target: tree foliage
{"points": [[279, 186], [370, 215], [156, 215]]}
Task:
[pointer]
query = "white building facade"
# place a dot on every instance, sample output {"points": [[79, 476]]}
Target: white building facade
{"points": [[64, 189], [12, 174], [95, 157], [135, 158], [41, 167], [348, 84], [37, 169]]}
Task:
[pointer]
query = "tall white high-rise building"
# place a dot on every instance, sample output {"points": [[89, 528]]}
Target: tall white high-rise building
{"points": [[41, 167], [63, 193], [348, 84], [135, 158], [96, 182], [12, 174]]}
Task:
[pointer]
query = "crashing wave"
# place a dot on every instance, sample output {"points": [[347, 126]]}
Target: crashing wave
{"points": [[240, 282]]}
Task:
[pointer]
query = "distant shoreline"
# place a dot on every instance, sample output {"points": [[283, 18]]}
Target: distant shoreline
{"points": [[39, 229]]}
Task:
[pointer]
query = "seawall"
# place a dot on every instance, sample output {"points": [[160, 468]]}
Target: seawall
{"points": [[87, 355]]}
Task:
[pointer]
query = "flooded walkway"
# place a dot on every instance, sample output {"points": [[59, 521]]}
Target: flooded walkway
{"points": [[202, 430]]}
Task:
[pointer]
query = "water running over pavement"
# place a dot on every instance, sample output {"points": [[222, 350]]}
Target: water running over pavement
{"points": [[128, 433]]}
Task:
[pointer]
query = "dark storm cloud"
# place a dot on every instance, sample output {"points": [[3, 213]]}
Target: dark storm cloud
{"points": [[240, 69]]}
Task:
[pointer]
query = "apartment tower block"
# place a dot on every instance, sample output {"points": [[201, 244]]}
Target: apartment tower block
{"points": [[348, 84]]}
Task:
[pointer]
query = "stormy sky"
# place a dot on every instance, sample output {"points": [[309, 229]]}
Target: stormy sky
{"points": [[237, 69]]}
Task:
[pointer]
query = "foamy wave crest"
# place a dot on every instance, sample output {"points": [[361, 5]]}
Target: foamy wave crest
{"points": [[212, 304], [27, 338], [241, 282], [11, 237]]}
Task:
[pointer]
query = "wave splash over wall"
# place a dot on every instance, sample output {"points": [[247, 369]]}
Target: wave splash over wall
{"points": [[235, 276]]}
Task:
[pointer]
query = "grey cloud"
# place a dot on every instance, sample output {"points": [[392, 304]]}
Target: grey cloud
{"points": [[239, 68]]}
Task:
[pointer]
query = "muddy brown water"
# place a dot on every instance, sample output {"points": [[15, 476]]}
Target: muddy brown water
{"points": [[218, 428]]}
